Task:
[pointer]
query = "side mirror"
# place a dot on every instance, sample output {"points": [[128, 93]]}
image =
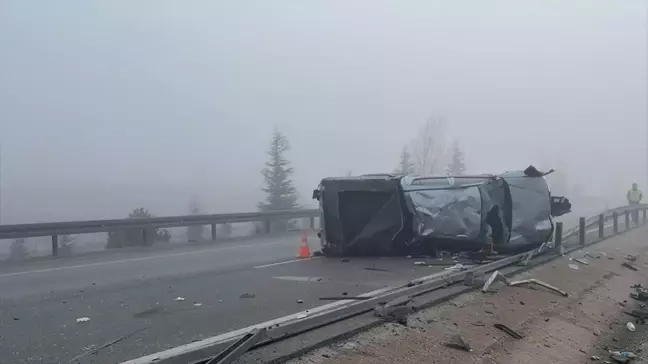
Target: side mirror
{"points": [[560, 205], [317, 194]]}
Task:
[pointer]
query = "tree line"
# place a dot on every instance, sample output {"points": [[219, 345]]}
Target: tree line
{"points": [[424, 155]]}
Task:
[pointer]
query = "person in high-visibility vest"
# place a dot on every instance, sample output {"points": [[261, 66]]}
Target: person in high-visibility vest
{"points": [[634, 195]]}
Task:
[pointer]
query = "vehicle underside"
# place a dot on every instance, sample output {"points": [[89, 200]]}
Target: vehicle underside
{"points": [[384, 214]]}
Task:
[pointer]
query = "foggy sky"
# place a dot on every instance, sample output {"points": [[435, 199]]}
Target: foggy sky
{"points": [[106, 106]]}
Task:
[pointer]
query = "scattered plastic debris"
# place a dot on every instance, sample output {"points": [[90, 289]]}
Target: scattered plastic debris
{"points": [[302, 315], [632, 258], [594, 357], [457, 342], [630, 326], [581, 261], [82, 319], [197, 304], [573, 266], [420, 263], [622, 356], [300, 301], [180, 298], [247, 295], [629, 266]]}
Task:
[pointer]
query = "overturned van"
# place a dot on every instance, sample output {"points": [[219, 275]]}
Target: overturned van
{"points": [[384, 214]]}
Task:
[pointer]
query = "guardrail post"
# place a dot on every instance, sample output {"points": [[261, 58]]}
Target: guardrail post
{"points": [[615, 222], [581, 231], [144, 237], [266, 226], [601, 225], [213, 231], [627, 220], [558, 237], [312, 221], [644, 215], [55, 245]]}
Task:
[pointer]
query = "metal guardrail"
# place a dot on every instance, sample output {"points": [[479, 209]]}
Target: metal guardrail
{"points": [[292, 325], [54, 229]]}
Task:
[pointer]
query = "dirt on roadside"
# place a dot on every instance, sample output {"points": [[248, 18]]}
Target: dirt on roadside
{"points": [[580, 328]]}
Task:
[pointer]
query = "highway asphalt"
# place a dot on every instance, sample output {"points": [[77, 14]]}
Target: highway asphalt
{"points": [[225, 286]]}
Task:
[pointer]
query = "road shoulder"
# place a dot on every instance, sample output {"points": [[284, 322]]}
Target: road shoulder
{"points": [[554, 328]]}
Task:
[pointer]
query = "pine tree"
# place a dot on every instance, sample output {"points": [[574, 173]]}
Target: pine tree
{"points": [[281, 193], [456, 166], [405, 165]]}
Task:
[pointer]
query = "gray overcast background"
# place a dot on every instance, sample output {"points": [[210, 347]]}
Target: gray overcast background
{"points": [[110, 105]]}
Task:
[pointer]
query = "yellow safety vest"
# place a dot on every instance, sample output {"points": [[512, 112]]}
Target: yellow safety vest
{"points": [[634, 196]]}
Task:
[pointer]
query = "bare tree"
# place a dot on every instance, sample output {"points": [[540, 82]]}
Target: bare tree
{"points": [[428, 148]]}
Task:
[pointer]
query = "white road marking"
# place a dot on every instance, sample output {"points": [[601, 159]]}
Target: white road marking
{"points": [[280, 263], [152, 358], [128, 260], [299, 279]]}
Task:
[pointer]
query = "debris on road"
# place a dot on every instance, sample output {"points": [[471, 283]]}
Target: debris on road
{"points": [[300, 301], [631, 258], [622, 356], [247, 295], [302, 315], [239, 347], [539, 283], [573, 266], [377, 269], [581, 261], [180, 298], [106, 345], [508, 330], [197, 304], [495, 276], [82, 319], [420, 263], [630, 326], [457, 342], [457, 268], [629, 266]]}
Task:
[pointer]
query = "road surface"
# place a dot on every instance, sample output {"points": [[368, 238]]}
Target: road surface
{"points": [[225, 287]]}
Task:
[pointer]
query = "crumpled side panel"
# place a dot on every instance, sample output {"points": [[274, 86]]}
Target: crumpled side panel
{"points": [[448, 213]]}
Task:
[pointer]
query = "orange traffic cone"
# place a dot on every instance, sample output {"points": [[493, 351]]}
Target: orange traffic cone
{"points": [[304, 250]]}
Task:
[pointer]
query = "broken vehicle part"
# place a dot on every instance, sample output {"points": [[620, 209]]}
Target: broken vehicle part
{"points": [[457, 342], [495, 276], [539, 283], [508, 330], [239, 347], [384, 214]]}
